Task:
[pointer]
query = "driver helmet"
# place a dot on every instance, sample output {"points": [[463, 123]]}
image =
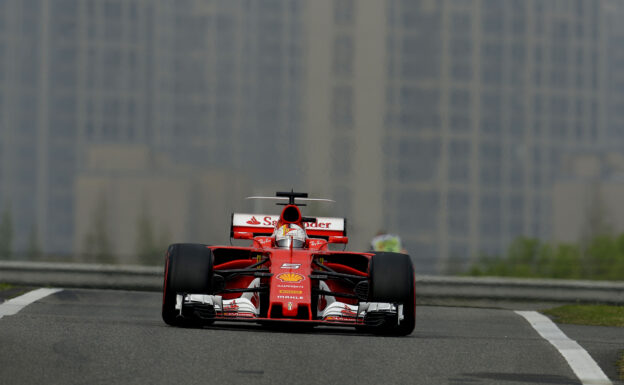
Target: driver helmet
{"points": [[286, 234]]}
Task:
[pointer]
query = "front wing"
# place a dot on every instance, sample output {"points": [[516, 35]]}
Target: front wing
{"points": [[212, 308]]}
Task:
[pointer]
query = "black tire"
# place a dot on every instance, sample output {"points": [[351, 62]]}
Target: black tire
{"points": [[188, 269], [392, 280]]}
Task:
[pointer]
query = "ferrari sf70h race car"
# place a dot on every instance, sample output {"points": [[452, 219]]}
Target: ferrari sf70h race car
{"points": [[289, 274]]}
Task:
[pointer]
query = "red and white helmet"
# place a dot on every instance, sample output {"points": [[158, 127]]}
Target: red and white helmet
{"points": [[291, 233]]}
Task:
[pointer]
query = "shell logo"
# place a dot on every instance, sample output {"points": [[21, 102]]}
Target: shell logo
{"points": [[290, 277]]}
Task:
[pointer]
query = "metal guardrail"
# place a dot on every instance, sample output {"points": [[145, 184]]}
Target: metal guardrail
{"points": [[82, 275], [520, 289], [427, 287]]}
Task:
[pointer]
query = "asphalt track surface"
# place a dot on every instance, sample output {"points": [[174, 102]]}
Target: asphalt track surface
{"points": [[117, 337]]}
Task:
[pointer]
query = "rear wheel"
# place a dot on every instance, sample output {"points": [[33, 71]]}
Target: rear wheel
{"points": [[188, 269], [392, 280]]}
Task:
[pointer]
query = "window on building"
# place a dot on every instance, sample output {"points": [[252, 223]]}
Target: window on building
{"points": [[344, 12], [517, 124], [112, 9], [461, 24], [459, 251], [490, 206], [518, 54], [422, 216], [490, 227], [461, 71], [458, 201], [492, 24], [491, 152], [559, 55], [515, 227], [516, 176], [421, 67], [342, 154], [459, 172], [492, 74], [458, 224], [459, 161], [460, 122], [343, 55], [518, 25], [490, 175], [461, 48], [558, 77], [342, 106], [491, 125], [460, 99]]}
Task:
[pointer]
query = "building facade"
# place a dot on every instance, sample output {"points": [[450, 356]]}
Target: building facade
{"points": [[213, 85], [443, 121], [480, 100]]}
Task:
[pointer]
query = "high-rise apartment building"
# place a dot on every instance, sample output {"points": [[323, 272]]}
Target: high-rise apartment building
{"points": [[214, 84], [443, 121], [479, 100]]}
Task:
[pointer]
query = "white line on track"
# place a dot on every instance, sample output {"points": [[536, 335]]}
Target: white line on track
{"points": [[579, 360], [16, 304]]}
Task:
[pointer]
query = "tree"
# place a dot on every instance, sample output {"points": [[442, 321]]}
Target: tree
{"points": [[602, 258], [6, 235], [97, 242]]}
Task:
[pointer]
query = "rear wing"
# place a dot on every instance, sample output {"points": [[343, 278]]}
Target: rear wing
{"points": [[260, 224]]}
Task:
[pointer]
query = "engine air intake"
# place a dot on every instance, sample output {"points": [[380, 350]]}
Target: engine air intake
{"points": [[291, 214]]}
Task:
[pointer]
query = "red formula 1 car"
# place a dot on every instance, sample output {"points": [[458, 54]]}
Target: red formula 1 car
{"points": [[289, 274]]}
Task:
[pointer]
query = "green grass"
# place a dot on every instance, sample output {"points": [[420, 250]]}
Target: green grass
{"points": [[4, 286], [597, 315]]}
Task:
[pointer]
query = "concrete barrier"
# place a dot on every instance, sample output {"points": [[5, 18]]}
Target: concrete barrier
{"points": [[427, 287]]}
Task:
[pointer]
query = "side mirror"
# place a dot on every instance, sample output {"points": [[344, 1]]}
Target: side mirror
{"points": [[338, 239], [243, 235]]}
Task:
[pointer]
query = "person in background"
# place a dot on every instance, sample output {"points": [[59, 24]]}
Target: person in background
{"points": [[384, 241]]}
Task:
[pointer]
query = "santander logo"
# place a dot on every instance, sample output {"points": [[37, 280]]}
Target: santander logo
{"points": [[272, 220], [253, 221]]}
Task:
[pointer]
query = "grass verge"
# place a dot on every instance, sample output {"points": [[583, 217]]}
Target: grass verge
{"points": [[596, 315], [5, 286]]}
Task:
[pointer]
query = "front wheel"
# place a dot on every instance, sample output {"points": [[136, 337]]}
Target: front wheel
{"points": [[188, 269], [392, 280]]}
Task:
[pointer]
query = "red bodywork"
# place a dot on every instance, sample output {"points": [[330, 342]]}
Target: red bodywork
{"points": [[291, 275]]}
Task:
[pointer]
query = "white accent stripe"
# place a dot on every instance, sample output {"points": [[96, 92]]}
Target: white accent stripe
{"points": [[16, 304], [579, 360]]}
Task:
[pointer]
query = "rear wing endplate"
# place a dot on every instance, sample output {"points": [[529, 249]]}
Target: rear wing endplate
{"points": [[260, 224]]}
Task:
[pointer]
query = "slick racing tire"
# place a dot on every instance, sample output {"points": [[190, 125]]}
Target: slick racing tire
{"points": [[392, 280], [188, 269]]}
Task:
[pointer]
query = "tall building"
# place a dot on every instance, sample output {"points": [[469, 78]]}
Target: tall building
{"points": [[586, 199], [344, 120], [443, 121], [479, 100], [37, 128], [215, 85]]}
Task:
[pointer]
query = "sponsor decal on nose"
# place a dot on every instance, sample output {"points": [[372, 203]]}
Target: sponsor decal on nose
{"points": [[290, 277], [291, 292]]}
